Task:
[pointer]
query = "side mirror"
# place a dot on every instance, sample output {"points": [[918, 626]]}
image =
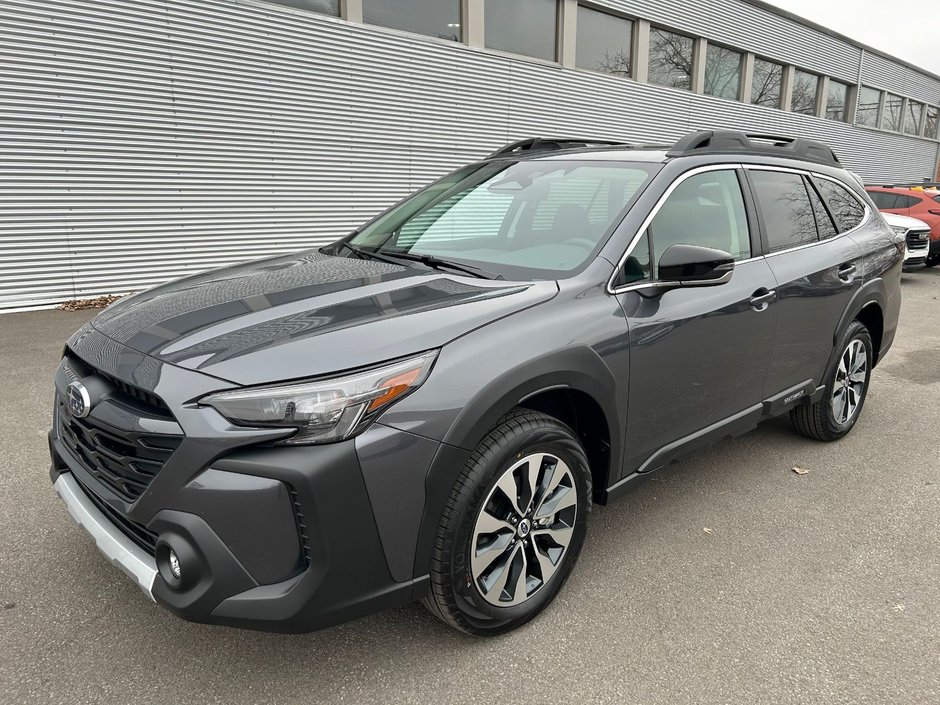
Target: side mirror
{"points": [[691, 265]]}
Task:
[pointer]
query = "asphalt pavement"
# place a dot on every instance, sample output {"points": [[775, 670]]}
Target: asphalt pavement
{"points": [[727, 579]]}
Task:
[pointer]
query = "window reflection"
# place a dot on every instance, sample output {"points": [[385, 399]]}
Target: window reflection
{"points": [[912, 117], [604, 42], [722, 72], [869, 105], [785, 205], [837, 101], [804, 93], [521, 27], [846, 208], [767, 84], [670, 60], [436, 18], [892, 115]]}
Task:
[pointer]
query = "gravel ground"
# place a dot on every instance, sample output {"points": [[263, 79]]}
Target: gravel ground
{"points": [[728, 579]]}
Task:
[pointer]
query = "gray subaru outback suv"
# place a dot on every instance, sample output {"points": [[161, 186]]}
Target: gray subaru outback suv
{"points": [[428, 408]]}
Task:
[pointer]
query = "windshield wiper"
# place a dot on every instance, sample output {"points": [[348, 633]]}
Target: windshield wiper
{"points": [[427, 260]]}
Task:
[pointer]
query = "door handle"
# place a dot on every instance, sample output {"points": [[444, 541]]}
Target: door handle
{"points": [[847, 272], [762, 298]]}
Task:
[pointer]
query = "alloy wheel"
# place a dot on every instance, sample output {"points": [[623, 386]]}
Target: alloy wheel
{"points": [[523, 530], [849, 385]]}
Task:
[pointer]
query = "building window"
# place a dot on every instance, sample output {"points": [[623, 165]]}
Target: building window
{"points": [[521, 26], [604, 43], [805, 86], [912, 117], [435, 18], [869, 103], [932, 122], [324, 7], [670, 59], [722, 72], [892, 116], [837, 101], [768, 80]]}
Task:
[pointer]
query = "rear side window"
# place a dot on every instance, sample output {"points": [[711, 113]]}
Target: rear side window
{"points": [[824, 223], [846, 208], [884, 200], [908, 201], [785, 206]]}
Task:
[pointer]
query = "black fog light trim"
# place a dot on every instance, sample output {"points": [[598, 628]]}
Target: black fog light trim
{"points": [[178, 564]]}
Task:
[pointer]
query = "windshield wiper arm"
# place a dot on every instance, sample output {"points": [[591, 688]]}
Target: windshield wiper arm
{"points": [[438, 263], [427, 260]]}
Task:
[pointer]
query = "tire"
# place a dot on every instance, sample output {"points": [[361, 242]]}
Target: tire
{"points": [[821, 420], [932, 261], [521, 440]]}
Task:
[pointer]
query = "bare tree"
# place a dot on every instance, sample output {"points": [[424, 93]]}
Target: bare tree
{"points": [[617, 63], [722, 72], [768, 80], [670, 59]]}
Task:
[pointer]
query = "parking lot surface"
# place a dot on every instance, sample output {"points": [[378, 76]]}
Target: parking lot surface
{"points": [[727, 579]]}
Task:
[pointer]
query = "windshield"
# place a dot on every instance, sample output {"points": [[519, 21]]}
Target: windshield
{"points": [[525, 219]]}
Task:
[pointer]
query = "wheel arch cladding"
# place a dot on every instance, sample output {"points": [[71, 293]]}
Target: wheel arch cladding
{"points": [[867, 305], [564, 384], [872, 317]]}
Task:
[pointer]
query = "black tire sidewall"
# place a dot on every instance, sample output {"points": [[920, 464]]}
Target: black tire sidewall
{"points": [[856, 331], [480, 614]]}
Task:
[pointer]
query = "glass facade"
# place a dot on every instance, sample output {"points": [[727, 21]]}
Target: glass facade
{"points": [[604, 43], [722, 72], [837, 101], [525, 27], [869, 107], [912, 117], [671, 59], [932, 122], [766, 88], [435, 18], [892, 112], [803, 99]]}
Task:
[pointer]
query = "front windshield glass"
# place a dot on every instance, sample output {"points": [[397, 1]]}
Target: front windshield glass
{"points": [[525, 219]]}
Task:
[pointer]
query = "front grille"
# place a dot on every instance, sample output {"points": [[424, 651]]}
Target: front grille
{"points": [[138, 533], [125, 462], [914, 241]]}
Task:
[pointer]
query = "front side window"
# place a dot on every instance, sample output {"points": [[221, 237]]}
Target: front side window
{"points": [[766, 87], [805, 86], [912, 117], [523, 219], [436, 18], [604, 43], [525, 27], [722, 72], [892, 113], [670, 60], [845, 207], [837, 101], [786, 209], [931, 122], [705, 210], [869, 107]]}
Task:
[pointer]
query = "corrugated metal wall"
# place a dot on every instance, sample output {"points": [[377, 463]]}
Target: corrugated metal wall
{"points": [[144, 140]]}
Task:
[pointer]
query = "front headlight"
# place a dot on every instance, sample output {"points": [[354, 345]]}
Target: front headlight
{"points": [[327, 410]]}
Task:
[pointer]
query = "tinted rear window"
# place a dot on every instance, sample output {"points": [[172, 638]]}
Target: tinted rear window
{"points": [[786, 209], [845, 207]]}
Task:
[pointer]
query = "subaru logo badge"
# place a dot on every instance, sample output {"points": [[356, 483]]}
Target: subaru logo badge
{"points": [[78, 400]]}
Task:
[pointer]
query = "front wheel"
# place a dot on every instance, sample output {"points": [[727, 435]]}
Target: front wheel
{"points": [[513, 526], [835, 414]]}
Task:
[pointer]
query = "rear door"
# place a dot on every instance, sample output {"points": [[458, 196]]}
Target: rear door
{"points": [[816, 266]]}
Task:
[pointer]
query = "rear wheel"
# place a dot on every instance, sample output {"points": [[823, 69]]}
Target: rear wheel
{"points": [[835, 414], [513, 526]]}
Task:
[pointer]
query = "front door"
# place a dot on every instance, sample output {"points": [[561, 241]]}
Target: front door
{"points": [[698, 355]]}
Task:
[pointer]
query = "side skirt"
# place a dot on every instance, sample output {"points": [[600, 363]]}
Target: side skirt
{"points": [[731, 427]]}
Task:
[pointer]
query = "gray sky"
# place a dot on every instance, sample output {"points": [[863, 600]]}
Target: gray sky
{"points": [[907, 30]]}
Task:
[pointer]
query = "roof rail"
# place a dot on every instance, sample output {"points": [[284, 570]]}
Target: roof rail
{"points": [[546, 144], [733, 142]]}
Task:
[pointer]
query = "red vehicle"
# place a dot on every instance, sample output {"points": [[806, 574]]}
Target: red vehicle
{"points": [[923, 204]]}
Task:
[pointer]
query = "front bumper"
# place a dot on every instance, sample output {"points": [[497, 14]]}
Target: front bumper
{"points": [[276, 538], [111, 541]]}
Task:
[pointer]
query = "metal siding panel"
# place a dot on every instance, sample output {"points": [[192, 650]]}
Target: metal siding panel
{"points": [[148, 140], [879, 72]]}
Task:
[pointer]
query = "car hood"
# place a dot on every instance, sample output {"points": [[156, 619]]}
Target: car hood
{"points": [[308, 314]]}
